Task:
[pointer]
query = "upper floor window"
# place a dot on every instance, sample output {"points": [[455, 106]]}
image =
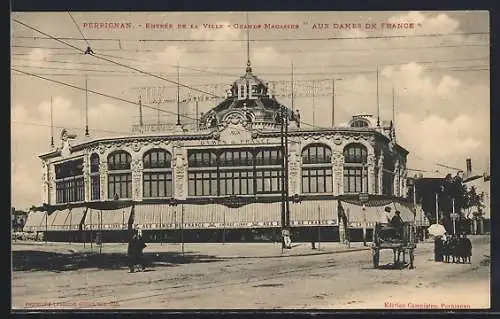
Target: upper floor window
{"points": [[94, 163], [316, 154], [157, 158], [355, 154], [69, 181], [355, 169], [317, 169], [119, 160], [198, 158], [359, 123]]}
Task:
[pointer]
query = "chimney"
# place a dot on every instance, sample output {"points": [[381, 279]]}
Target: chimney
{"points": [[469, 167]]}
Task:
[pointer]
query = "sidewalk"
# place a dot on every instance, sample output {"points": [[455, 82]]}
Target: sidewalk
{"points": [[227, 250], [260, 250]]}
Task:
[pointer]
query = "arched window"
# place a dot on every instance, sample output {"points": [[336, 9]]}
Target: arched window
{"points": [[69, 181], [359, 123], [119, 175], [95, 180], [355, 169], [317, 169], [157, 175]]}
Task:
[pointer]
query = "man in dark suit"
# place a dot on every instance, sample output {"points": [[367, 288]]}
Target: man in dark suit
{"points": [[397, 223]]}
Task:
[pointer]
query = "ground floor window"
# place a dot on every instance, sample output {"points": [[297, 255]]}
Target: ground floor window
{"points": [[95, 187], [120, 184], [388, 183], [355, 180], [268, 180], [202, 183], [236, 183], [70, 190], [317, 180], [157, 184]]}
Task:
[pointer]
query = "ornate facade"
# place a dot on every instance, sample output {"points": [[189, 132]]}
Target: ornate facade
{"points": [[234, 155]]}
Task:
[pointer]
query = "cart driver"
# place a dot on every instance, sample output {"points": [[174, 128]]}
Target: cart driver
{"points": [[386, 216], [397, 223]]}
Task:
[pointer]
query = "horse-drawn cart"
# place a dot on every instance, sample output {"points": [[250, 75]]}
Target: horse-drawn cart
{"points": [[399, 240]]}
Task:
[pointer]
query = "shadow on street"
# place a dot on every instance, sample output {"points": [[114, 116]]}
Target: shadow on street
{"points": [[31, 260]]}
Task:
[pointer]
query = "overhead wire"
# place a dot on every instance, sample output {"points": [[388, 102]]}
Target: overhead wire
{"points": [[111, 61], [266, 40]]}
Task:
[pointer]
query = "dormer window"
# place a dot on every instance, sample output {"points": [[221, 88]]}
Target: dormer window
{"points": [[359, 123]]}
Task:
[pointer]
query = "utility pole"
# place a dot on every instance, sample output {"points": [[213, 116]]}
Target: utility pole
{"points": [[313, 102], [178, 96], [282, 150], [51, 124], [141, 123], [333, 102], [285, 156], [437, 208], [319, 228], [86, 108], [182, 228], [378, 104]]}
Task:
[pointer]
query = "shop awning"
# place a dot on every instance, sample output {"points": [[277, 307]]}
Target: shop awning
{"points": [[373, 212], [154, 216], [67, 219], [107, 219], [35, 221], [314, 213]]}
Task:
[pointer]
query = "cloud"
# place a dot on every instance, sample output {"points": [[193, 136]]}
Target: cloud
{"points": [[438, 139], [427, 23], [38, 56]]}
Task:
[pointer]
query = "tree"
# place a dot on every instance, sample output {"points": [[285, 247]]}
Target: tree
{"points": [[475, 200], [452, 198]]}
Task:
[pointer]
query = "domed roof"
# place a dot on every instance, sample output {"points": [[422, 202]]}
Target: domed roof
{"points": [[250, 100]]}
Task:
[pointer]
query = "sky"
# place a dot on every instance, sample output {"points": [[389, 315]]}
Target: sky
{"points": [[438, 70]]}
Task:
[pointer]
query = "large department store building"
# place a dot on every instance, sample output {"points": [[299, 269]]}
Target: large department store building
{"points": [[222, 180]]}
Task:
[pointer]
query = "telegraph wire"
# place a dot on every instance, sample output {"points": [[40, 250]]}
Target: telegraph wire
{"points": [[263, 40], [111, 61], [157, 109], [66, 127], [204, 51], [302, 67], [100, 93], [78, 27]]}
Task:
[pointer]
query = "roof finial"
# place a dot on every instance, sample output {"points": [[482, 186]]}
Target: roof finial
{"points": [[249, 64]]}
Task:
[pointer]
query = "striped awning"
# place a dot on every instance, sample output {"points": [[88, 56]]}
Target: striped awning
{"points": [[35, 221], [107, 219], [252, 215], [67, 219], [155, 216], [373, 214], [314, 213]]}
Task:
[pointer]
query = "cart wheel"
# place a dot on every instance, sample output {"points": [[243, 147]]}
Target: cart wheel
{"points": [[376, 256], [412, 258]]}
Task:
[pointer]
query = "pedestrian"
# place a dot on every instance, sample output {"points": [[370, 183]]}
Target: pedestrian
{"points": [[140, 243], [132, 251], [438, 249]]}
